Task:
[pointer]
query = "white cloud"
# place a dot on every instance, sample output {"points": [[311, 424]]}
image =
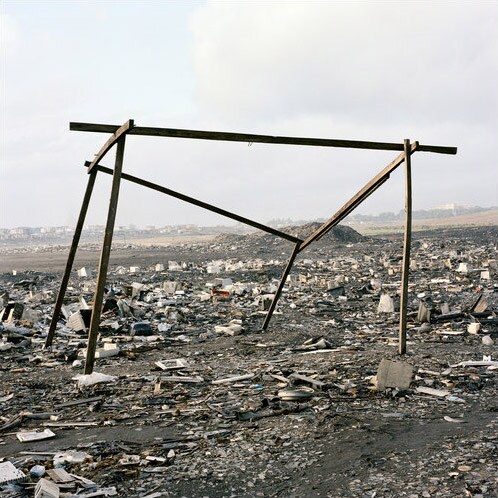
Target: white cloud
{"points": [[372, 61], [9, 31]]}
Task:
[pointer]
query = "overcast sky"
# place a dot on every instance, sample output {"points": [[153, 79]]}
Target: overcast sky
{"points": [[367, 70]]}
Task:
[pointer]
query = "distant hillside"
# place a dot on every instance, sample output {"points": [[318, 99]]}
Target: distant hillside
{"points": [[484, 218], [450, 211]]}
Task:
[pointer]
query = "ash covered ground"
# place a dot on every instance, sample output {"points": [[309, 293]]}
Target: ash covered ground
{"points": [[196, 405]]}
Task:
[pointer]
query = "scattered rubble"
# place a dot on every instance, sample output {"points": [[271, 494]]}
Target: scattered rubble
{"points": [[190, 398]]}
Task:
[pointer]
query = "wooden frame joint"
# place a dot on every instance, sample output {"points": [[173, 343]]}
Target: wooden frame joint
{"points": [[120, 132]]}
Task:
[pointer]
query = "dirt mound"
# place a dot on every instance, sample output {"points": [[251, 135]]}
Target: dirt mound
{"points": [[230, 238], [338, 235]]}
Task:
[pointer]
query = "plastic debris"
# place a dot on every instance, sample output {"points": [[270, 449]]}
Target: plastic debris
{"points": [[9, 474], [93, 378], [30, 436], [70, 457], [46, 489], [37, 470], [386, 304]]}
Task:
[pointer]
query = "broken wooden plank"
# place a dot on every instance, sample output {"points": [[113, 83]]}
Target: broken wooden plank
{"points": [[185, 380], [76, 402], [308, 380], [235, 378]]}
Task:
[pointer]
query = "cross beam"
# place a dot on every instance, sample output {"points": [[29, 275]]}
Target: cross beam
{"points": [[253, 138]]}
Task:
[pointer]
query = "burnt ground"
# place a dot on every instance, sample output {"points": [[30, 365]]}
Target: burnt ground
{"points": [[239, 439]]}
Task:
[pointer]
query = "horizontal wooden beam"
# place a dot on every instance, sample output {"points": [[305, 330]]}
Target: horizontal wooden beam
{"points": [[438, 149], [204, 205], [253, 138], [121, 130], [357, 199]]}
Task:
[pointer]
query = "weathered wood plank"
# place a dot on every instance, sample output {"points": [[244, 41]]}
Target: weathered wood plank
{"points": [[280, 288], [438, 149], [255, 138], [406, 249], [104, 257], [236, 137], [70, 259]]}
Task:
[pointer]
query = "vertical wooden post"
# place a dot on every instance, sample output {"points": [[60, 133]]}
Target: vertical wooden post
{"points": [[287, 270], [70, 258], [104, 258], [406, 249]]}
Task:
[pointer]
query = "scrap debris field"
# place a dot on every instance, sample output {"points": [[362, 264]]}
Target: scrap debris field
{"points": [[189, 398]]}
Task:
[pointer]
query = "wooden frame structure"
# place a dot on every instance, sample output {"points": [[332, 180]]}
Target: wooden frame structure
{"points": [[118, 138]]}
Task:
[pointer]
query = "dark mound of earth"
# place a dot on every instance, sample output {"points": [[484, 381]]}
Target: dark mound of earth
{"points": [[338, 235]]}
